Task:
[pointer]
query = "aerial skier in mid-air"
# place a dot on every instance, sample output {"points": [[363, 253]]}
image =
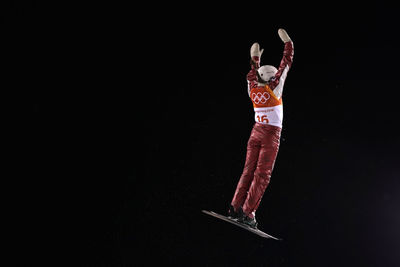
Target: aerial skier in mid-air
{"points": [[265, 87]]}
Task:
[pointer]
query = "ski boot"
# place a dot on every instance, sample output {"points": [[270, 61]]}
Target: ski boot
{"points": [[235, 215], [248, 221]]}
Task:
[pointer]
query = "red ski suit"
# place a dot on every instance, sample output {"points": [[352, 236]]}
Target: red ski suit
{"points": [[263, 144]]}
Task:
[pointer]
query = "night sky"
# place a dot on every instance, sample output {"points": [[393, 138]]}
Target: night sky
{"points": [[134, 118]]}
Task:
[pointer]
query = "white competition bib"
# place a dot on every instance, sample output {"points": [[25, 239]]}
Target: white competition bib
{"points": [[269, 115]]}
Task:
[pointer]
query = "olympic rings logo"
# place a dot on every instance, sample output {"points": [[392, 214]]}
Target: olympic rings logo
{"points": [[260, 98]]}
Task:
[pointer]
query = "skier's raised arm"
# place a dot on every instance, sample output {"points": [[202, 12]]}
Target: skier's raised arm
{"points": [[255, 54], [276, 84]]}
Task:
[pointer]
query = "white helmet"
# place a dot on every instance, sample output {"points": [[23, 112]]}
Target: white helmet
{"points": [[266, 72]]}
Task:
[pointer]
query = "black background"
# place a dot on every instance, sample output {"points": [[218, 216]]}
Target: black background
{"points": [[131, 119]]}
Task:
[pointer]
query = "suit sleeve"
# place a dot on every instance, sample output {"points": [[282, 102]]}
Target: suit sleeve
{"points": [[252, 75], [278, 81]]}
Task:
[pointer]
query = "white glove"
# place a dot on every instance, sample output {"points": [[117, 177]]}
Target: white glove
{"points": [[284, 36], [255, 51]]}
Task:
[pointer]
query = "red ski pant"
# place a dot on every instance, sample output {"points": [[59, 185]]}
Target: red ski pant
{"points": [[262, 149]]}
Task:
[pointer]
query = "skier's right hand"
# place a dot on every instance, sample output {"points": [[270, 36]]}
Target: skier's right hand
{"points": [[255, 52]]}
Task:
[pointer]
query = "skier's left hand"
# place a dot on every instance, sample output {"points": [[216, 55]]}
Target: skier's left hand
{"points": [[284, 36]]}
